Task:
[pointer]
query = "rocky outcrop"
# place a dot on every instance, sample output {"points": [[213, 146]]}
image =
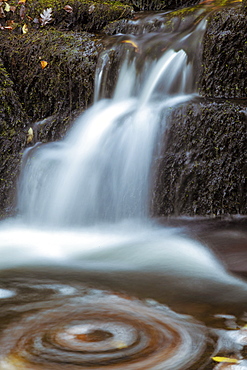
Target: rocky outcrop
{"points": [[160, 4], [13, 123], [203, 166], [201, 169], [224, 72]]}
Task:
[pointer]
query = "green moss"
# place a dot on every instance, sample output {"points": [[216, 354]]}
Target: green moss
{"points": [[65, 84]]}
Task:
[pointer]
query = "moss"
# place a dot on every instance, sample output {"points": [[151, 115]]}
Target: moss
{"points": [[13, 123], [84, 15], [202, 168], [225, 76], [65, 84]]}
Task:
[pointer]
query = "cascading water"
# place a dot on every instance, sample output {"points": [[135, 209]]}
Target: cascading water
{"points": [[83, 232], [101, 172]]}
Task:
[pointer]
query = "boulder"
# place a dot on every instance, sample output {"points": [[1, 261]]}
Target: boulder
{"points": [[224, 57], [201, 169], [13, 128]]}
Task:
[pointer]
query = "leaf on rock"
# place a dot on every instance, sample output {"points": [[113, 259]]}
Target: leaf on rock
{"points": [[29, 135], [68, 9], [22, 11], [25, 29], [46, 16], [43, 63], [7, 7]]}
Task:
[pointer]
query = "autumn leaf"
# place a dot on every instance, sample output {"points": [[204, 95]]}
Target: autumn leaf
{"points": [[7, 7], [25, 29], [225, 359], [68, 9], [131, 43], [43, 63], [46, 16], [22, 11], [29, 135]]}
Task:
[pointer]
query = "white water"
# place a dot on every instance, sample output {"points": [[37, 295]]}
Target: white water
{"points": [[84, 201]]}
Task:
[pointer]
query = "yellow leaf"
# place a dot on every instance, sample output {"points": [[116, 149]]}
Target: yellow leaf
{"points": [[119, 344], [25, 28], [29, 135], [21, 1], [131, 43], [7, 7], [225, 359], [43, 63]]}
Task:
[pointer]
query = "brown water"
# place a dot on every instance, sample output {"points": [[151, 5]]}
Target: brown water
{"points": [[102, 316]]}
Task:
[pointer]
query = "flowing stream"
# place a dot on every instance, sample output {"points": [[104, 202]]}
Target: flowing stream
{"points": [[88, 280]]}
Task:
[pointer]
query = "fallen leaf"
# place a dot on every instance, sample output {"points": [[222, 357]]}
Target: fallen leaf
{"points": [[22, 11], [131, 43], [7, 7], [25, 29], [21, 1], [91, 9], [43, 63], [225, 359], [68, 9], [46, 16], [119, 344], [29, 135]]}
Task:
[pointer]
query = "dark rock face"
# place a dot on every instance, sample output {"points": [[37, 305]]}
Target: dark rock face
{"points": [[160, 4], [66, 83], [52, 96], [202, 167], [225, 53], [13, 123]]}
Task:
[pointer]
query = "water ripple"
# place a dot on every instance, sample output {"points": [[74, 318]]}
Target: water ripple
{"points": [[100, 330]]}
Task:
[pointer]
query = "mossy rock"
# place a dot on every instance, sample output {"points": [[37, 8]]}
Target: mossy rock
{"points": [[13, 128], [63, 85], [202, 167], [160, 4], [225, 53], [80, 15]]}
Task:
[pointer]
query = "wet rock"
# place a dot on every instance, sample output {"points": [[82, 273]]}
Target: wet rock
{"points": [[160, 4], [80, 15], [13, 127], [225, 53], [53, 72], [52, 95], [202, 166]]}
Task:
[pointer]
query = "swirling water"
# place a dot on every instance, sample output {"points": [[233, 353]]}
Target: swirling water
{"points": [[87, 279]]}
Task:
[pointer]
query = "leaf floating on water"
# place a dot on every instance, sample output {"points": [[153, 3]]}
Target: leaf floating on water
{"points": [[131, 43], [119, 344], [225, 359], [43, 63], [29, 135]]}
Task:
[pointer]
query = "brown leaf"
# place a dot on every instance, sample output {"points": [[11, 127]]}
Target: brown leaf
{"points": [[131, 43], [43, 63], [68, 8], [22, 11]]}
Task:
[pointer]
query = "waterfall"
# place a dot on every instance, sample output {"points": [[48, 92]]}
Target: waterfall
{"points": [[87, 279], [101, 171]]}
